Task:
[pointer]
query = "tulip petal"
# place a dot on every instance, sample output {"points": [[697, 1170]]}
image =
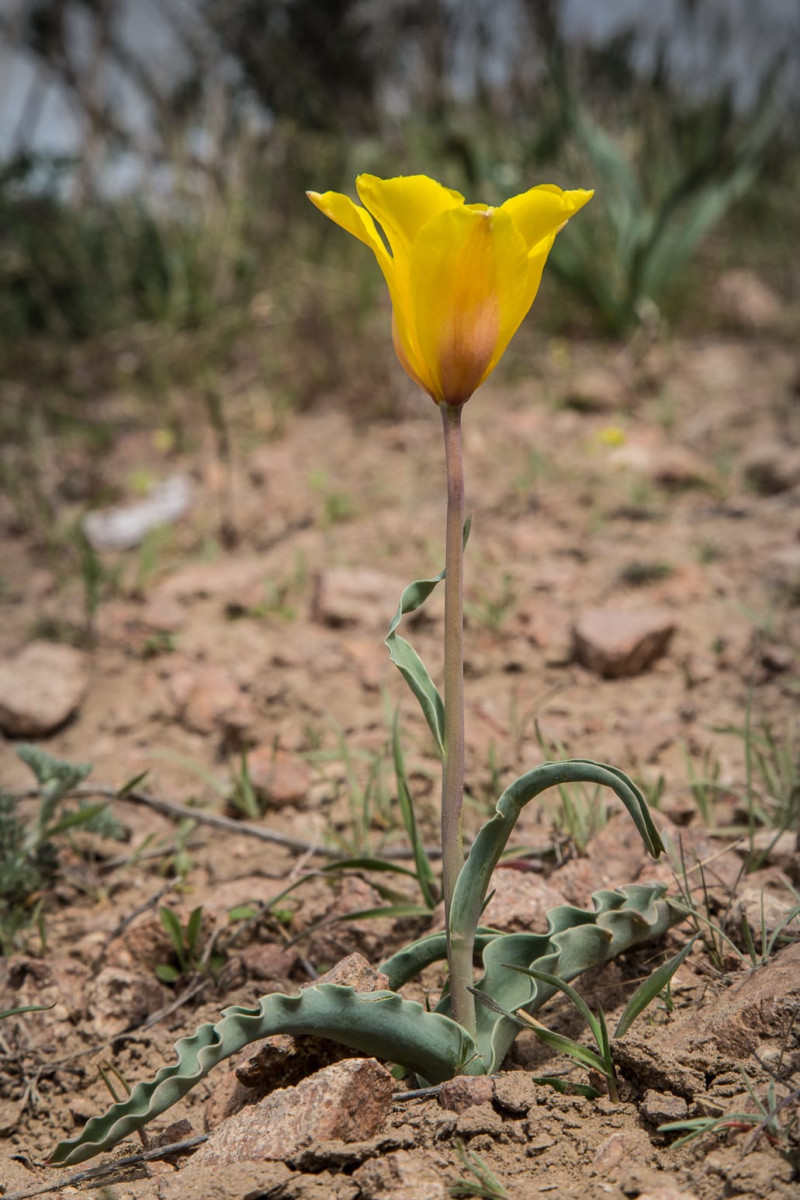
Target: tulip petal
{"points": [[543, 210], [404, 204], [355, 220], [468, 294]]}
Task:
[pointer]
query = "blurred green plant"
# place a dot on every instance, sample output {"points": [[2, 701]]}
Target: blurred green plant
{"points": [[29, 847], [662, 185]]}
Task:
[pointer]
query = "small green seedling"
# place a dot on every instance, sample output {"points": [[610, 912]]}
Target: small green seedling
{"points": [[29, 848], [763, 1122], [186, 947], [483, 1182]]}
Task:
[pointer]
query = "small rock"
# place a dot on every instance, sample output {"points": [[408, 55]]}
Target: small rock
{"points": [[465, 1091], [776, 657], [784, 570], [765, 911], [660, 1107], [57, 980], [125, 526], [351, 596], [41, 688], [667, 1193], [595, 390], [178, 1131], [520, 902], [143, 945], [208, 699], [480, 1118], [10, 1114], [400, 1176], [239, 1181], [353, 971], [279, 778], [772, 467], [745, 301], [119, 999], [680, 467], [613, 642], [771, 846], [268, 961], [515, 1093], [349, 1101], [240, 579], [228, 1096]]}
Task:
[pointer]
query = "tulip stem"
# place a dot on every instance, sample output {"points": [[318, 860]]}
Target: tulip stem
{"points": [[459, 955]]}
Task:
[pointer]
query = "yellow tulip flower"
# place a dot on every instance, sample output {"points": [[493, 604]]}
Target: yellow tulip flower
{"points": [[461, 276]]}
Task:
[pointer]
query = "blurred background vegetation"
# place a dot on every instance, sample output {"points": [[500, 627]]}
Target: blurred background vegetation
{"points": [[154, 153]]}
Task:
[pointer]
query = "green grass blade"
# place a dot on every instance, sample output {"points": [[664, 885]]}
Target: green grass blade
{"points": [[647, 991]]}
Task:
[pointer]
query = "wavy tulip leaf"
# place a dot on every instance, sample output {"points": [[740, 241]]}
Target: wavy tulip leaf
{"points": [[473, 881], [577, 939], [379, 1023]]}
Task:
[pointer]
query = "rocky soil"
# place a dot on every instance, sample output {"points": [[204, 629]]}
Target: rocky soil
{"points": [[633, 579]]}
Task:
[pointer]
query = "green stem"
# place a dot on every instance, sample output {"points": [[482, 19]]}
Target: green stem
{"points": [[459, 952]]}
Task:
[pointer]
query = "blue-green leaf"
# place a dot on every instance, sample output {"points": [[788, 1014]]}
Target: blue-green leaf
{"points": [[379, 1023]]}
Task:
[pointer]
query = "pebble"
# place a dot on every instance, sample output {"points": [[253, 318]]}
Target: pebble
{"points": [[742, 299], [465, 1091], [348, 1101], [400, 1176], [355, 596], [279, 778], [41, 688], [660, 1107], [613, 642]]}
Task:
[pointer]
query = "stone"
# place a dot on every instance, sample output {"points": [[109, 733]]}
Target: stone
{"points": [[771, 467], [520, 902], [41, 688], [400, 1176], [661, 1107], [595, 390], [613, 642], [349, 1101], [355, 596], [666, 1193], [268, 961], [680, 467], [779, 848], [745, 301], [57, 980], [119, 999], [279, 778], [480, 1118], [353, 971], [239, 579], [209, 699], [239, 1181], [228, 1096], [465, 1091], [783, 569], [765, 911], [282, 1060], [125, 526]]}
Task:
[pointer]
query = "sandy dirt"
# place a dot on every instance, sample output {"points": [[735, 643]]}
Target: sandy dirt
{"points": [[674, 494]]}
